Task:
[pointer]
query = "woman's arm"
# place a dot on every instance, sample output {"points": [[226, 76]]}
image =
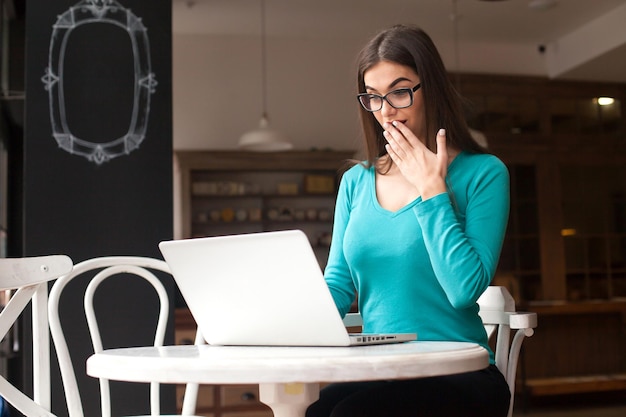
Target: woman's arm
{"points": [[337, 272], [464, 255]]}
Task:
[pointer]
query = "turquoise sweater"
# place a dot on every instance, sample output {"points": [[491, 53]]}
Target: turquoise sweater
{"points": [[422, 268]]}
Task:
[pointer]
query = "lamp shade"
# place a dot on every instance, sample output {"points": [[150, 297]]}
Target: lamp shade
{"points": [[479, 137], [264, 139]]}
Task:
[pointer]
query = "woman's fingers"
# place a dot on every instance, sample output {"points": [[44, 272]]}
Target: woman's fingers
{"points": [[403, 135], [418, 164], [442, 148]]}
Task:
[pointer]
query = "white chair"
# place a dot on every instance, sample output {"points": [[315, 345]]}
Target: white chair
{"points": [[141, 267], [27, 278], [497, 311]]}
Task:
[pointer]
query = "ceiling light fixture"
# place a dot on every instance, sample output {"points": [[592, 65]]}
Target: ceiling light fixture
{"points": [[264, 138], [541, 4], [606, 101]]}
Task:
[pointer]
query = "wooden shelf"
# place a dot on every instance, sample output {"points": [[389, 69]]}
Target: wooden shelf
{"points": [[576, 384], [251, 182], [583, 307]]}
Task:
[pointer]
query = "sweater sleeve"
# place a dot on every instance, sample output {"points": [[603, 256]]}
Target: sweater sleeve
{"points": [[464, 245], [337, 272]]}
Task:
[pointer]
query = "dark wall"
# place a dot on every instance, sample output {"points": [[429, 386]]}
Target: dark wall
{"points": [[89, 84]]}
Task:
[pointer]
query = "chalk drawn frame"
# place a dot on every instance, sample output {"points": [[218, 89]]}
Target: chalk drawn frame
{"points": [[108, 12]]}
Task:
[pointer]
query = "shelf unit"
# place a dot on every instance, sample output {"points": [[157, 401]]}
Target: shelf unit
{"points": [[564, 254], [567, 159], [225, 192]]}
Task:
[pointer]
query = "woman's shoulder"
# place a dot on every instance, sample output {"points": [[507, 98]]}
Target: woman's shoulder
{"points": [[474, 169], [356, 177], [480, 162], [357, 172]]}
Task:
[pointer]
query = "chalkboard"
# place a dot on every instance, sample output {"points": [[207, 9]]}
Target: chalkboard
{"points": [[97, 152]]}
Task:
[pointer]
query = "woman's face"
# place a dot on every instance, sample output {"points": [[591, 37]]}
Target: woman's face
{"points": [[387, 76]]}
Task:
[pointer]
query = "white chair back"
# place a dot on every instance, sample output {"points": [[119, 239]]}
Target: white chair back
{"points": [[497, 311], [141, 267], [27, 279]]}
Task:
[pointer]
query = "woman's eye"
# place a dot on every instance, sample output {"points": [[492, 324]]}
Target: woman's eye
{"points": [[398, 93]]}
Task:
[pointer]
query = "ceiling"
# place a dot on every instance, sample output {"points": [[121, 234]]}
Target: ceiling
{"points": [[579, 39]]}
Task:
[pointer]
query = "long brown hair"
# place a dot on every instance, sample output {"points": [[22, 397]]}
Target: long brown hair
{"points": [[412, 47]]}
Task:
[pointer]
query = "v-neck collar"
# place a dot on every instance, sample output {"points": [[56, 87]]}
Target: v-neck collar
{"points": [[411, 204]]}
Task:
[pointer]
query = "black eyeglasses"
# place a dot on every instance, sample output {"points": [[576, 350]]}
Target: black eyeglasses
{"points": [[398, 99]]}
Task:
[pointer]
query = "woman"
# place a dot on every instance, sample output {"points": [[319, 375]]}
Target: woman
{"points": [[418, 230]]}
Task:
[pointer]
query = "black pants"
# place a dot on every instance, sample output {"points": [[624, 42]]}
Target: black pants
{"points": [[482, 393]]}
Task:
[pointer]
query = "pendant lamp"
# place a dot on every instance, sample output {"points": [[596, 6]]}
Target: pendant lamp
{"points": [[264, 138]]}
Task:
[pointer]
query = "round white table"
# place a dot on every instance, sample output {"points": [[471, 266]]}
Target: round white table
{"points": [[288, 377]]}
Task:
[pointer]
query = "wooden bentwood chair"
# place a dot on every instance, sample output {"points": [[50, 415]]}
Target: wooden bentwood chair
{"points": [[106, 267], [27, 279], [497, 311]]}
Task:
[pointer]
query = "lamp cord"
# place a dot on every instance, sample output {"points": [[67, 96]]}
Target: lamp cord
{"points": [[457, 60], [263, 62]]}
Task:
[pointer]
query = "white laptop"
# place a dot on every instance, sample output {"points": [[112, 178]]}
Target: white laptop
{"points": [[263, 289]]}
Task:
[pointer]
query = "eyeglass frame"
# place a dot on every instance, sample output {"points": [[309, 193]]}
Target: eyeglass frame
{"points": [[384, 98]]}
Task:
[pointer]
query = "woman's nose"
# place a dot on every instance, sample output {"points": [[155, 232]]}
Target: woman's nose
{"points": [[387, 108]]}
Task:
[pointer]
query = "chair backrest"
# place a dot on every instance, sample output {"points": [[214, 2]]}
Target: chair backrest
{"points": [[494, 304], [27, 279], [104, 268], [497, 311]]}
